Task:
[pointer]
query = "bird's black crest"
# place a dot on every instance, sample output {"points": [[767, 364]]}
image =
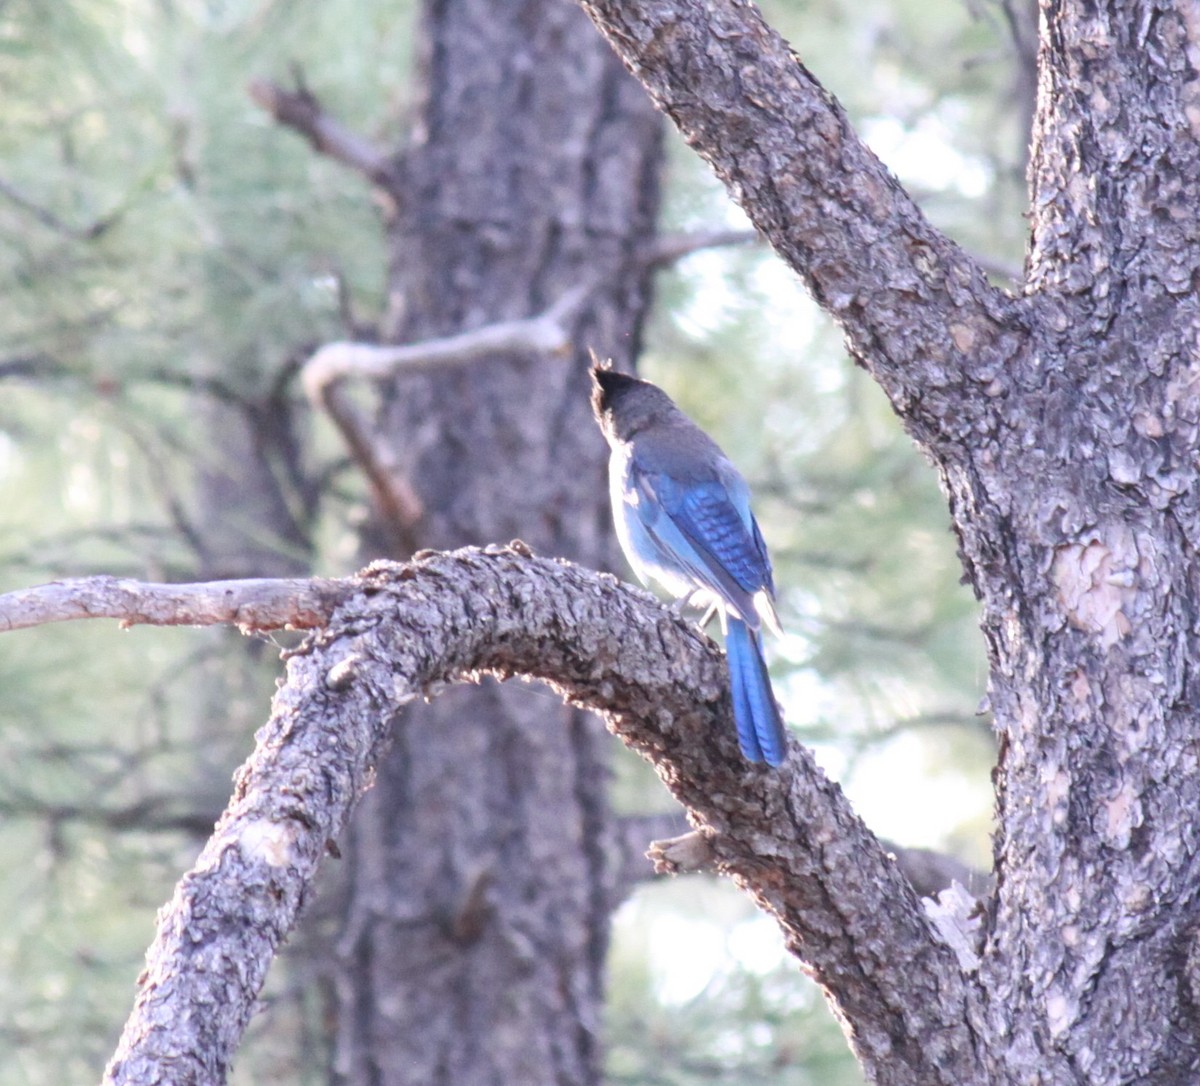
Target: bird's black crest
{"points": [[609, 386]]}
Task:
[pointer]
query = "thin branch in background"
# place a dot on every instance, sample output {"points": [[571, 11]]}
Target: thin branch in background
{"points": [[669, 248], [49, 219], [547, 334], [33, 365], [300, 110], [156, 468], [1021, 18], [156, 814], [190, 382]]}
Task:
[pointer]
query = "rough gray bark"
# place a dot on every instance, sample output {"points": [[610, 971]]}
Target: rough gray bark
{"points": [[483, 867], [1064, 424], [405, 632]]}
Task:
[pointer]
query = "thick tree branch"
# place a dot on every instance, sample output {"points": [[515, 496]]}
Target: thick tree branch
{"points": [[918, 312], [788, 837]]}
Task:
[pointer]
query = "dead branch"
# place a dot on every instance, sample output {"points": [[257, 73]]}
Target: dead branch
{"points": [[395, 498], [257, 604], [548, 333]]}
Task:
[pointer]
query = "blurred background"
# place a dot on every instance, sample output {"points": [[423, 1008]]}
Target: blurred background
{"points": [[170, 257]]}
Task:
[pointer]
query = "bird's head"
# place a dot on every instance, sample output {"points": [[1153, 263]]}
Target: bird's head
{"points": [[624, 405]]}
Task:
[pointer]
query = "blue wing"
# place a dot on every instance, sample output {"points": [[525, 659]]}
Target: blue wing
{"points": [[707, 530]]}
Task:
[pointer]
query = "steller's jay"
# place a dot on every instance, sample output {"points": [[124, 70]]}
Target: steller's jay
{"points": [[682, 514]]}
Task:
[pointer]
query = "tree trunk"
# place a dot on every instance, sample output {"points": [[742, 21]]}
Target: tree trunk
{"points": [[1083, 534], [1064, 424], [482, 867]]}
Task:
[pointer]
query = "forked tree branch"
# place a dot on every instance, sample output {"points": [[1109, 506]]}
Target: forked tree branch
{"points": [[546, 333], [257, 605], [788, 837], [918, 312]]}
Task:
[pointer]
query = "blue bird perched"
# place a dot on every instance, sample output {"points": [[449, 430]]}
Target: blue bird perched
{"points": [[682, 514]]}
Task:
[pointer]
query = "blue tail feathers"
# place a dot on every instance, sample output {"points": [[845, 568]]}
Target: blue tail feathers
{"points": [[759, 725]]}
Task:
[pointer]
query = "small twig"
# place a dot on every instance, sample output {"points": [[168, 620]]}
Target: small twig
{"points": [[681, 855], [47, 217], [636, 834], [258, 604], [669, 248], [300, 109]]}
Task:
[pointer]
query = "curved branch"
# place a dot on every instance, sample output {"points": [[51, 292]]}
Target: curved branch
{"points": [[918, 312], [789, 838]]}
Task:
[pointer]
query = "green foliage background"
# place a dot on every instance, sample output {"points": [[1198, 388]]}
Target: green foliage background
{"points": [[167, 249]]}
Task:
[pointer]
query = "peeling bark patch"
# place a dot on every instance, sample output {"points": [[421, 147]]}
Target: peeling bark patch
{"points": [[1120, 815], [267, 842], [1191, 90], [964, 337], [1060, 1012], [1093, 583], [1057, 784]]}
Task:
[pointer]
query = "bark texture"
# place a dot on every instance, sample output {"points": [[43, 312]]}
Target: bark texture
{"points": [[484, 865], [1064, 424], [406, 632]]}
